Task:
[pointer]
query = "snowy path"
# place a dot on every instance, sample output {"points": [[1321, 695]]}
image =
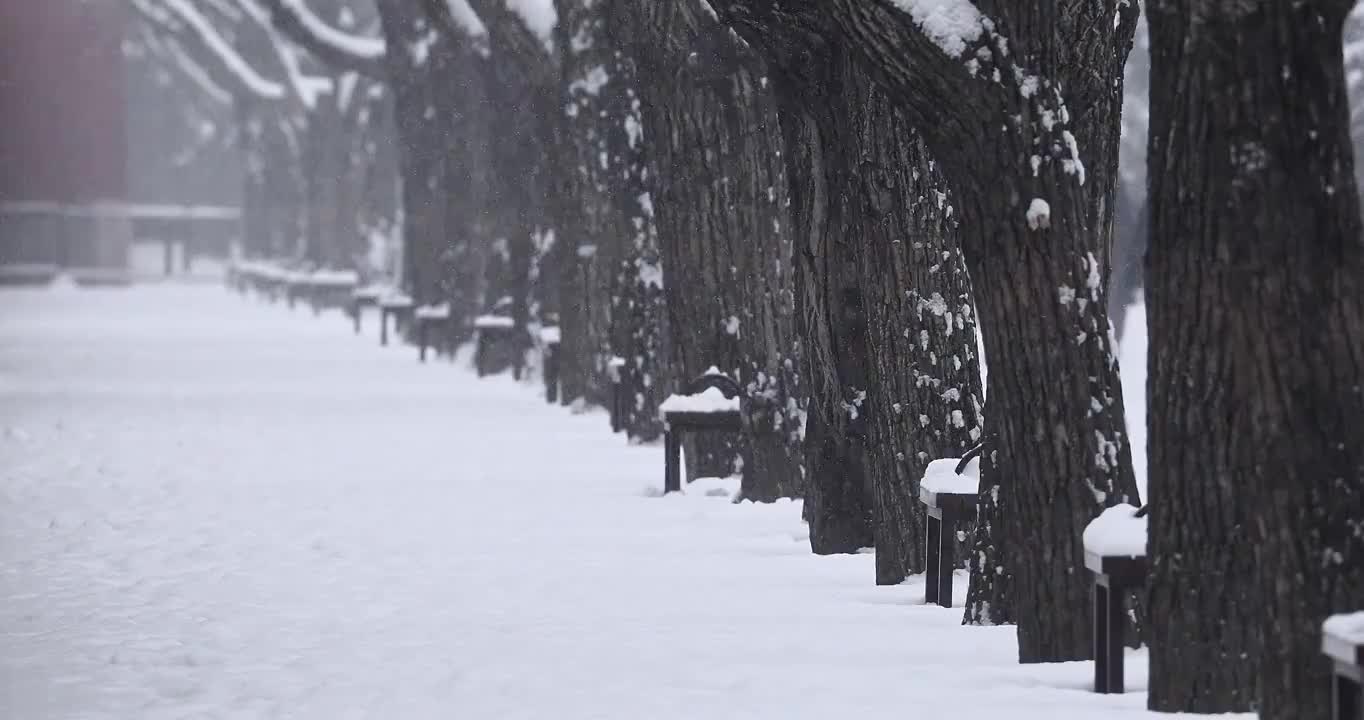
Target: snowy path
{"points": [[212, 508]]}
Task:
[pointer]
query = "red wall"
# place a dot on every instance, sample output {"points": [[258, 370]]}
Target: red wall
{"points": [[62, 111]]}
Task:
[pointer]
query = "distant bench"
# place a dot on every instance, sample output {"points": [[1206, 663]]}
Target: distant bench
{"points": [[711, 402]]}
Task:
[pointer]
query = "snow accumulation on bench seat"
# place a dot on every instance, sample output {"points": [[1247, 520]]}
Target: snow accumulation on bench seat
{"points": [[338, 278], [1118, 532], [1348, 627], [941, 478], [550, 335], [371, 292], [434, 312], [396, 300], [710, 401], [493, 322]]}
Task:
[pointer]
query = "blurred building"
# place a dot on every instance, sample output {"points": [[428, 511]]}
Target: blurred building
{"points": [[63, 132]]}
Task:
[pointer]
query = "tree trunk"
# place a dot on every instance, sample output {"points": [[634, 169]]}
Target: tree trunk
{"points": [[590, 251], [638, 311], [723, 230], [887, 319], [1256, 313], [987, 99]]}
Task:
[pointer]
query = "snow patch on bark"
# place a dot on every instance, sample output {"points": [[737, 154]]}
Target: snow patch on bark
{"points": [[950, 24], [1039, 214]]}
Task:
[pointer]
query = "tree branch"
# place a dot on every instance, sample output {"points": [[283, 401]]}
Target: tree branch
{"points": [[179, 20], [333, 47]]}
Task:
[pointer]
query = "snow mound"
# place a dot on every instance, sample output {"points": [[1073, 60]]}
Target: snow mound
{"points": [[710, 401], [335, 278], [491, 322], [396, 300], [941, 478], [1348, 627], [434, 312], [1117, 532], [371, 292], [950, 24]]}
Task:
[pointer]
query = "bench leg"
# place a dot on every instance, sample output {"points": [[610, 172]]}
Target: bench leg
{"points": [[1346, 700], [947, 559], [355, 311], [932, 559], [383, 328], [672, 462], [1108, 648], [423, 329]]}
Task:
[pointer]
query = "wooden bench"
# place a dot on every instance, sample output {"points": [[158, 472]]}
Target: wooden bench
{"points": [[397, 306], [492, 329], [619, 408], [712, 402], [550, 337], [432, 320], [948, 490], [1115, 551], [1342, 640], [327, 289], [360, 299]]}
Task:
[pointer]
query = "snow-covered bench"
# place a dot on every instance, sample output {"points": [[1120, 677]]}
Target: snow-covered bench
{"points": [[432, 319], [614, 366], [1342, 640], [550, 337], [366, 296], [710, 402], [1115, 550], [325, 289], [399, 307], [492, 329], [948, 489]]}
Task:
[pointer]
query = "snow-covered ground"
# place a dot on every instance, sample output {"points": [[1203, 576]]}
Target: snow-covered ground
{"points": [[214, 508]]}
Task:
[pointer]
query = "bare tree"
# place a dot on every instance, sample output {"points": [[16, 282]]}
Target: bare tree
{"points": [[1257, 346]]}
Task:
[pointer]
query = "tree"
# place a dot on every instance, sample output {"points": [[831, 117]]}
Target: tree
{"points": [[886, 312], [1006, 95], [719, 196], [1256, 313]]}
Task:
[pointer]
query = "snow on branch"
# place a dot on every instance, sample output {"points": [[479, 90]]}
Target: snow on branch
{"points": [[334, 47], [205, 36], [539, 16], [197, 74], [307, 88], [511, 34], [369, 48], [465, 19], [167, 50]]}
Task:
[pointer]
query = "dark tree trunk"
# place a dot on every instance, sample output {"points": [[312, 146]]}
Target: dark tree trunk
{"points": [[1256, 313], [443, 151], [887, 319], [989, 598], [638, 311], [588, 250], [723, 230], [1037, 217]]}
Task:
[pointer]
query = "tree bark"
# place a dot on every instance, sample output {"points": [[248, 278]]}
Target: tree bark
{"points": [[588, 250], [723, 228], [638, 310], [1256, 313], [990, 106], [886, 308]]}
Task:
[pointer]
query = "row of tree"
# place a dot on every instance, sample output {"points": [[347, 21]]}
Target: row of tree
{"points": [[841, 203]]}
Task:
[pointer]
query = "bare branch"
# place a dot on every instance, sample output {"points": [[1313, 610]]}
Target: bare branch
{"points": [[333, 47]]}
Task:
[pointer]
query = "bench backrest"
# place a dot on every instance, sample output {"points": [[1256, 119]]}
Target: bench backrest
{"points": [[727, 386]]}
